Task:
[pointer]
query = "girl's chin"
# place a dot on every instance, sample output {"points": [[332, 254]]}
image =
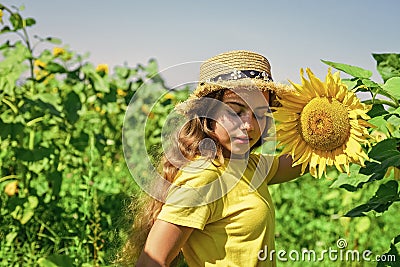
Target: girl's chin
{"points": [[236, 154]]}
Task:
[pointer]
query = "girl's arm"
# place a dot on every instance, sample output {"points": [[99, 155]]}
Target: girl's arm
{"points": [[163, 244], [285, 171]]}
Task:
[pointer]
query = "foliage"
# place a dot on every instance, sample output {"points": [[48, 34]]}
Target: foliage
{"points": [[64, 182], [63, 178]]}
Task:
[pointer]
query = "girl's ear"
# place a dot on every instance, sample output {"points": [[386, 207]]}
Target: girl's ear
{"points": [[209, 125], [211, 132], [212, 125]]}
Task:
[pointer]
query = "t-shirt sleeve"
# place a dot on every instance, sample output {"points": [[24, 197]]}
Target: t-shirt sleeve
{"points": [[271, 164], [186, 203], [194, 217]]}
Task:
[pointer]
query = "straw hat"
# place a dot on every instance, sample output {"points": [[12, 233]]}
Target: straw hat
{"points": [[236, 69]]}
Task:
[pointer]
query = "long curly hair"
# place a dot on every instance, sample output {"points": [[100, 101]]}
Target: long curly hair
{"points": [[186, 146]]}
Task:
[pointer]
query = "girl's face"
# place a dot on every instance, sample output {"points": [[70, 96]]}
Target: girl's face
{"points": [[240, 121]]}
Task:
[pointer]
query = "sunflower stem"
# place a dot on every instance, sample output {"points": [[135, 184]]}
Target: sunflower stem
{"points": [[382, 101]]}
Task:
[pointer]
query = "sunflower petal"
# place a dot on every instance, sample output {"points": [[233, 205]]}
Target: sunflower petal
{"points": [[319, 87]]}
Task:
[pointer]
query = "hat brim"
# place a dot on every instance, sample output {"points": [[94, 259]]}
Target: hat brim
{"points": [[205, 88]]}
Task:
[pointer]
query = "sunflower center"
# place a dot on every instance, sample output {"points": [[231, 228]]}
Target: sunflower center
{"points": [[324, 124]]}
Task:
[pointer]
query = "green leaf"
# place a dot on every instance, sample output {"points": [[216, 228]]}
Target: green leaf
{"points": [[151, 68], [36, 154], [100, 142], [48, 98], [393, 160], [369, 83], [380, 123], [15, 130], [43, 262], [386, 192], [99, 84], [395, 121], [37, 101], [351, 84], [396, 239], [393, 253], [351, 182], [122, 72], [10, 237], [351, 70], [28, 209], [16, 21], [363, 224], [392, 86], [30, 22], [388, 146], [54, 40], [396, 111], [384, 197], [56, 261], [80, 142], [377, 110], [55, 68], [5, 29], [370, 168], [388, 65], [358, 211], [55, 181], [379, 170]]}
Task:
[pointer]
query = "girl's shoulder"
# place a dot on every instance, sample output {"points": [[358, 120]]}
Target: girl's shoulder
{"points": [[198, 172]]}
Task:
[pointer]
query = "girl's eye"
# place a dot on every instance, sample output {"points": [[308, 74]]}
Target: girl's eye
{"points": [[234, 113], [260, 116]]}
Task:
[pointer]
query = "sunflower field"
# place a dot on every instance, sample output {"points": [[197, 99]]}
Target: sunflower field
{"points": [[65, 186]]}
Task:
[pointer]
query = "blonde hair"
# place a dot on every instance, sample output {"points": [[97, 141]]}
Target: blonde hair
{"points": [[145, 208]]}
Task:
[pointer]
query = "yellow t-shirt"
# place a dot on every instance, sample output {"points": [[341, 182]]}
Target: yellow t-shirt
{"points": [[230, 209]]}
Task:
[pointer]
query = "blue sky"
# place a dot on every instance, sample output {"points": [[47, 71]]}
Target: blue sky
{"points": [[291, 34]]}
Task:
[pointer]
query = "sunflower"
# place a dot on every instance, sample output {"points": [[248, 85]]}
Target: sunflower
{"points": [[322, 124]]}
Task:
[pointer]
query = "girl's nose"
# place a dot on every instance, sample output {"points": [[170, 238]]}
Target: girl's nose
{"points": [[247, 124]]}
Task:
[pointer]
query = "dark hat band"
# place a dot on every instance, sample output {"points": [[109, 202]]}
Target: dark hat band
{"points": [[241, 74]]}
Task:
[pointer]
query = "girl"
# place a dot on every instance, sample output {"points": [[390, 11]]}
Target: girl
{"points": [[217, 208]]}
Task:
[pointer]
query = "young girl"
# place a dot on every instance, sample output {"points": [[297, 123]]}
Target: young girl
{"points": [[217, 208]]}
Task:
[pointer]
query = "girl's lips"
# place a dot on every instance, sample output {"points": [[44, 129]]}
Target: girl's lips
{"points": [[242, 140]]}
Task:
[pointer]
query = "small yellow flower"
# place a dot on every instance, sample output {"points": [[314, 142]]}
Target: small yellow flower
{"points": [[169, 96], [121, 92], [58, 51], [39, 63], [39, 69], [11, 188], [40, 74], [1, 16], [98, 109], [102, 68], [100, 95]]}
